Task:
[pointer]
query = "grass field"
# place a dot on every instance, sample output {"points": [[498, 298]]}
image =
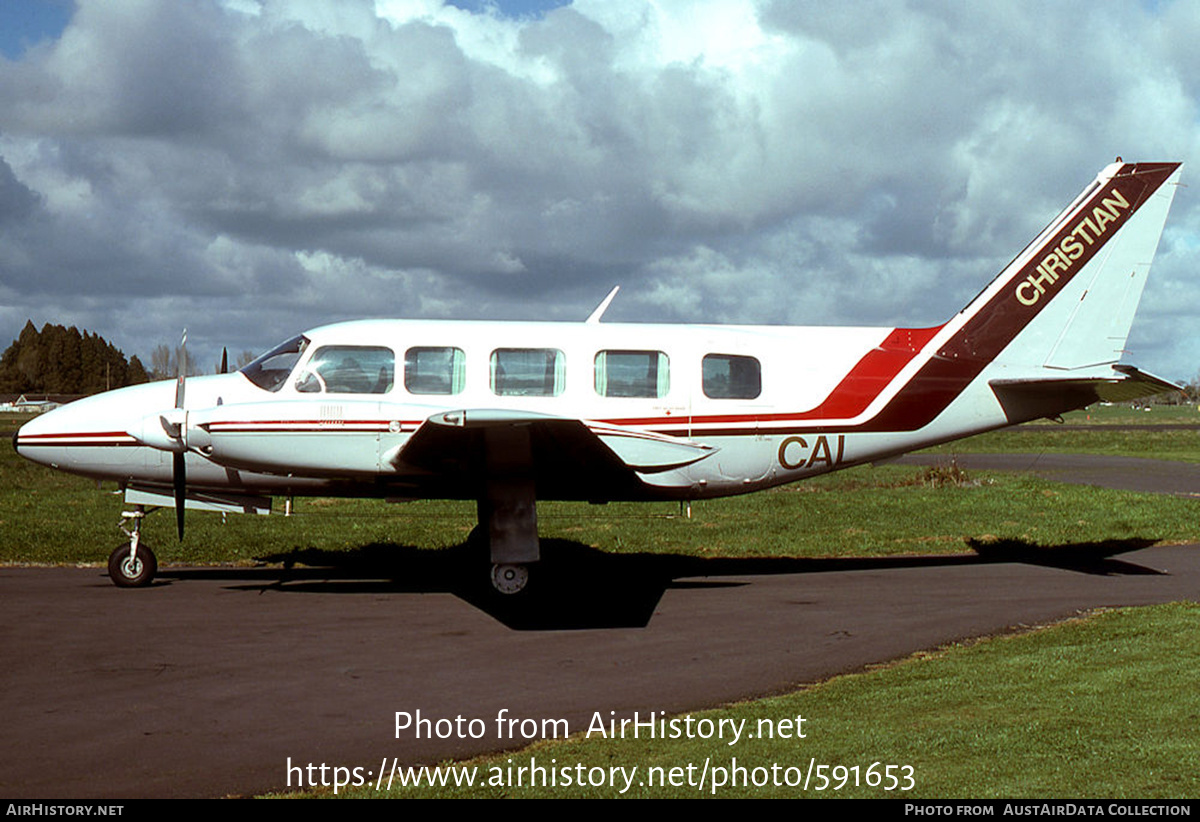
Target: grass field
{"points": [[1126, 414], [1090, 709], [1109, 430]]}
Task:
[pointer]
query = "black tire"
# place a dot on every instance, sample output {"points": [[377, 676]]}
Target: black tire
{"points": [[137, 574]]}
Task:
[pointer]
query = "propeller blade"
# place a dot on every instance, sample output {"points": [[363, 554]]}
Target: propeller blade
{"points": [[179, 468], [182, 375], [224, 360], [179, 477]]}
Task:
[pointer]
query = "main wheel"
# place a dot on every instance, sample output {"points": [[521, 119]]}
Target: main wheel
{"points": [[510, 579], [132, 572]]}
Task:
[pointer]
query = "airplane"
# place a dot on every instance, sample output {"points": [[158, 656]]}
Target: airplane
{"points": [[510, 413]]}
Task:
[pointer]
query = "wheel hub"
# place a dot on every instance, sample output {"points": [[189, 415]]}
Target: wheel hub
{"points": [[131, 567], [509, 579]]}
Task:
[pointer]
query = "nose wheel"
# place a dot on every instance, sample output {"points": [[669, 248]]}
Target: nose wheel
{"points": [[132, 570]]}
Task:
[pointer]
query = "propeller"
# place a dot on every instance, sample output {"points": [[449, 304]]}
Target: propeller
{"points": [[224, 360], [179, 469]]}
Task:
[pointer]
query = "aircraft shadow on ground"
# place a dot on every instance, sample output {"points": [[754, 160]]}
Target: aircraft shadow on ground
{"points": [[576, 586]]}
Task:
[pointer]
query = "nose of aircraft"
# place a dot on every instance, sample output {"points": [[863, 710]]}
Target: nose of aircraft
{"points": [[89, 429], [31, 431], [95, 434]]}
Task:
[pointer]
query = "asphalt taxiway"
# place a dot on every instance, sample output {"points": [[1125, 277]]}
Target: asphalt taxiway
{"points": [[208, 682]]}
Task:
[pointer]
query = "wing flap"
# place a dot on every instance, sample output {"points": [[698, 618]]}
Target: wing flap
{"points": [[571, 457], [649, 453]]}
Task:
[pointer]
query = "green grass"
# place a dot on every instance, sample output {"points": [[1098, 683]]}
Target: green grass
{"points": [[1126, 414], [1071, 437], [1097, 708], [1183, 446]]}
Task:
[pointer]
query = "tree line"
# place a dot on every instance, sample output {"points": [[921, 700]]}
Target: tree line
{"points": [[58, 360]]}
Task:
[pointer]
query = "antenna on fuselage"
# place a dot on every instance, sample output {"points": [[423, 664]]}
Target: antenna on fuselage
{"points": [[595, 316]]}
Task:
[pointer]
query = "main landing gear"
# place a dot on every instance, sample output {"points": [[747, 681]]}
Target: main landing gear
{"points": [[507, 577], [509, 529], [132, 565], [507, 508]]}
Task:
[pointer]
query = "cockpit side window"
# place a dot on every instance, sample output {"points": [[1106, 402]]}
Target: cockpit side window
{"points": [[348, 369], [271, 370]]}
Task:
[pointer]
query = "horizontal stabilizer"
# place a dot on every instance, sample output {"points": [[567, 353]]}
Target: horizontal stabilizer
{"points": [[1136, 384], [1030, 399]]}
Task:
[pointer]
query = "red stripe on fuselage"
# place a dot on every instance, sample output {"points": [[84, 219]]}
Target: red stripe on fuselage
{"points": [[59, 435], [284, 426], [870, 376], [98, 439]]}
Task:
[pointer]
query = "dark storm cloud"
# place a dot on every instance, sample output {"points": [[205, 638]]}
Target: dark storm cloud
{"points": [[17, 201]]}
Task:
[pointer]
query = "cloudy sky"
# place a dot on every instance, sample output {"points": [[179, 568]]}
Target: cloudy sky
{"points": [[250, 168]]}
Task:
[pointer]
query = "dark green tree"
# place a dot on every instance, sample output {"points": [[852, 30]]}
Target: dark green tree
{"points": [[58, 360]]}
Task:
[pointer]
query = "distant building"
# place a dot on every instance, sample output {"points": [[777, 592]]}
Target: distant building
{"points": [[38, 404]]}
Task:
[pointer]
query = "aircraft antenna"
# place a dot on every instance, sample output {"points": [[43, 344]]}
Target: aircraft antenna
{"points": [[595, 316]]}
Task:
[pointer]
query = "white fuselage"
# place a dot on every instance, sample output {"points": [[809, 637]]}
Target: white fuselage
{"points": [[799, 415]]}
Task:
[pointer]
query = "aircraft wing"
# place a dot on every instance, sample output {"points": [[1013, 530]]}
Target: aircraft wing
{"points": [[597, 460], [1028, 399]]}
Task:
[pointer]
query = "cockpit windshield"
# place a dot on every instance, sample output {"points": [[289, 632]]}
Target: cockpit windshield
{"points": [[271, 370]]}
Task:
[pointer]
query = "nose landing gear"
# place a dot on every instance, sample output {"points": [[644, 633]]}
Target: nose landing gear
{"points": [[132, 565]]}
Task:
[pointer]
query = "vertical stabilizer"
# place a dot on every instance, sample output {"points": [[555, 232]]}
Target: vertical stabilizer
{"points": [[1068, 301], [1062, 307], [1106, 294]]}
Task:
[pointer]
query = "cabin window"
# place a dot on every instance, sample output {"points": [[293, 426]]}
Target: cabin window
{"points": [[272, 369], [632, 374], [434, 370], [730, 377], [348, 369], [528, 372]]}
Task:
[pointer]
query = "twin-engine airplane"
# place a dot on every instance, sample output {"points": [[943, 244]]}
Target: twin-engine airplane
{"points": [[510, 413]]}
